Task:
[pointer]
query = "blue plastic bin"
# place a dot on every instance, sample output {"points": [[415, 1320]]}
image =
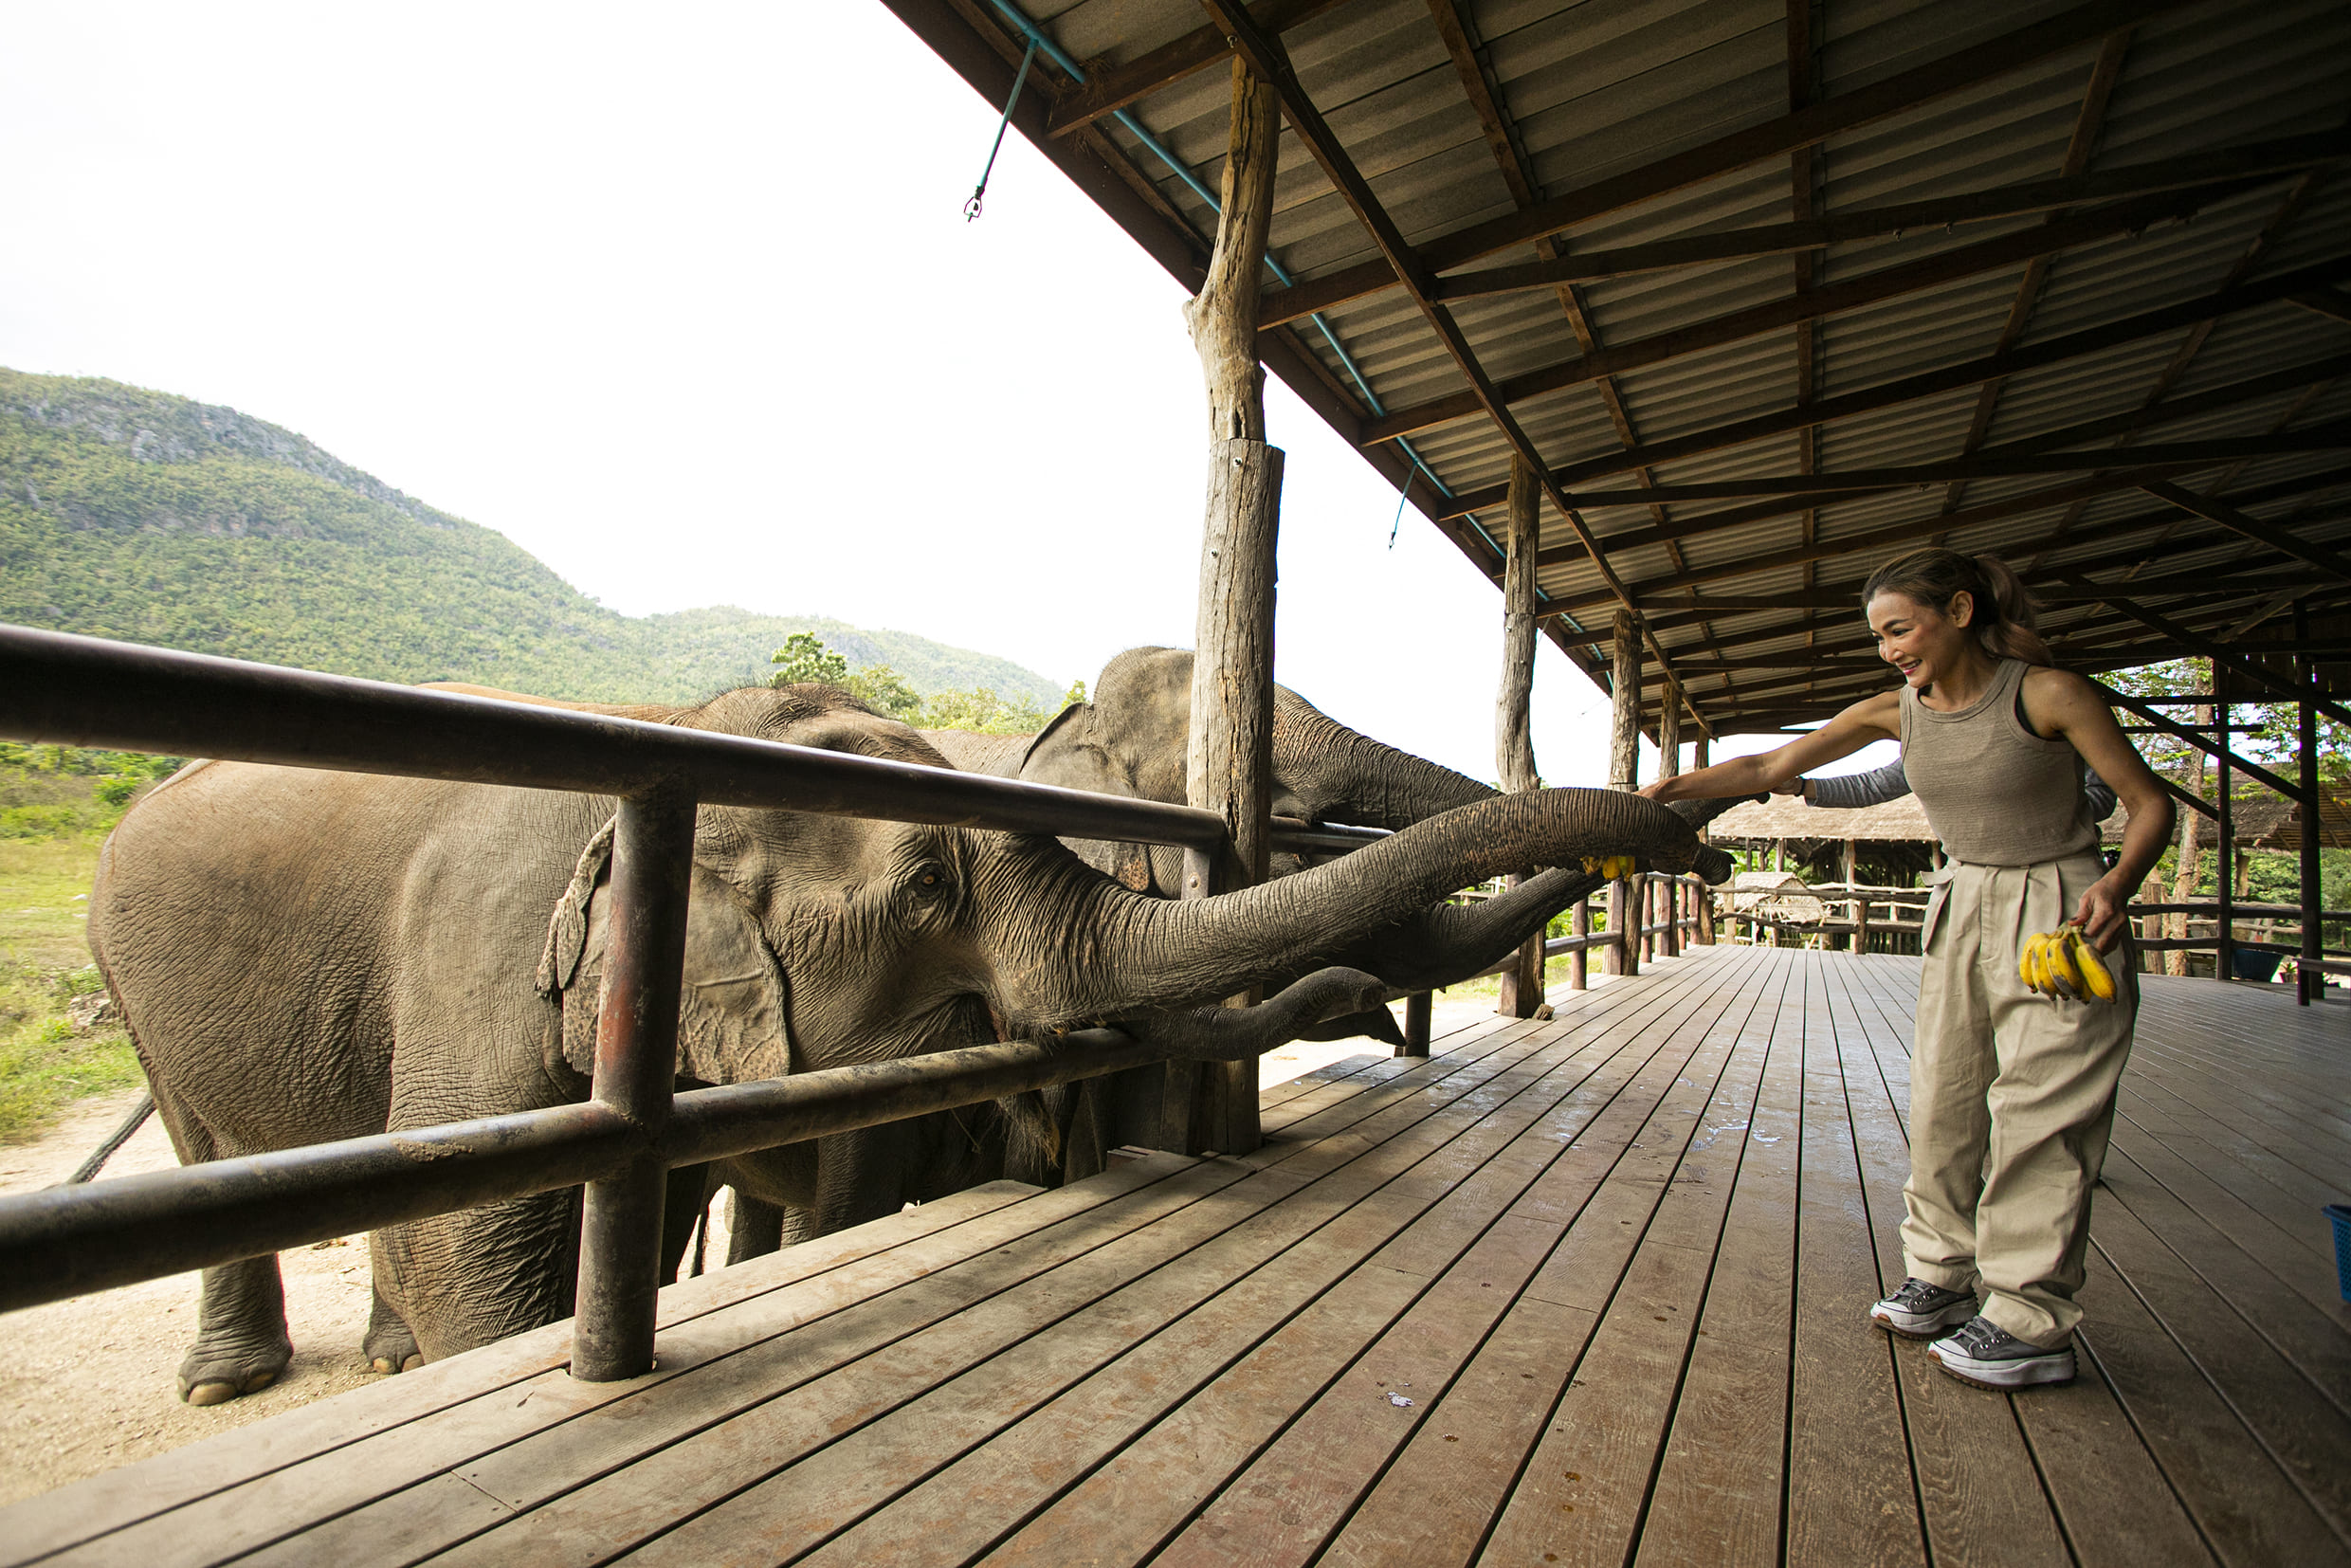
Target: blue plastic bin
{"points": [[2340, 1215]]}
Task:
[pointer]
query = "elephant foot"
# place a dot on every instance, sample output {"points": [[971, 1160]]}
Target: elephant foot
{"points": [[390, 1348], [213, 1375]]}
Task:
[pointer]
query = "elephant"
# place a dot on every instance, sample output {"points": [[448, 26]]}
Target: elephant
{"points": [[304, 955], [1130, 739]]}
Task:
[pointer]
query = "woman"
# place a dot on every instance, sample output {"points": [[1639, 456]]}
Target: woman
{"points": [[2012, 1093]]}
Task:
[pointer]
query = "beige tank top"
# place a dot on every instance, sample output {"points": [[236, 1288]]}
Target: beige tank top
{"points": [[1994, 792]]}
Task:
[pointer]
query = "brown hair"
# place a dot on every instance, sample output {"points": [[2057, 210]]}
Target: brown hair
{"points": [[2004, 618]]}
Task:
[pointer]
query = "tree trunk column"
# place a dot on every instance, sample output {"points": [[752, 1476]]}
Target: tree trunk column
{"points": [[1514, 741], [1228, 761], [1624, 769]]}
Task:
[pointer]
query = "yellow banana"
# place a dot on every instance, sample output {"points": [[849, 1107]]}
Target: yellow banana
{"points": [[2038, 950], [2024, 964], [2095, 980], [2061, 966]]}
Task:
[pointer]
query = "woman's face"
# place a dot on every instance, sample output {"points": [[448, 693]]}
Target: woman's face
{"points": [[1921, 641]]}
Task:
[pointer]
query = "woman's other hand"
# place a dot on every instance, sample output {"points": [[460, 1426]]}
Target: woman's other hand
{"points": [[2104, 909]]}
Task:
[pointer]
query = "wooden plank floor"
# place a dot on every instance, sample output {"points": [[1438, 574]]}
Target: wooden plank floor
{"points": [[1582, 1291]]}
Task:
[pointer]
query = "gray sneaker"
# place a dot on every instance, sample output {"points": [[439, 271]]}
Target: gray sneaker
{"points": [[1921, 1311], [1988, 1356]]}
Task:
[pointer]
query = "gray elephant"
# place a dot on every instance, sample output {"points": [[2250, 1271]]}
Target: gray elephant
{"points": [[306, 956], [1129, 740]]}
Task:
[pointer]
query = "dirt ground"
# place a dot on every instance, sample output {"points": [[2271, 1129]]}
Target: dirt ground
{"points": [[86, 1385]]}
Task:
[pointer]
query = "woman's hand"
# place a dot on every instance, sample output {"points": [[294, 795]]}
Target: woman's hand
{"points": [[2104, 909]]}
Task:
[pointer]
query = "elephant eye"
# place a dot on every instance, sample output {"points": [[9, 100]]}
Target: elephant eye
{"points": [[930, 878]]}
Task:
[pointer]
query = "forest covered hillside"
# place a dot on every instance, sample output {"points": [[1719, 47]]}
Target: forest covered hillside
{"points": [[137, 515]]}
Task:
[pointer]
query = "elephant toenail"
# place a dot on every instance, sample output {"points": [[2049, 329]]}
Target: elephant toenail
{"points": [[258, 1381], [412, 1362], [211, 1394]]}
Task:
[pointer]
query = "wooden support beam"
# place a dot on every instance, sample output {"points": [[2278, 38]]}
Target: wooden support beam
{"points": [[1624, 772], [2325, 301], [2187, 734], [1903, 532], [1122, 86], [1998, 462], [1228, 760], [2281, 539], [1904, 90], [2309, 980], [1266, 57], [2246, 668], [1522, 990], [2264, 160], [1932, 383], [1870, 288]]}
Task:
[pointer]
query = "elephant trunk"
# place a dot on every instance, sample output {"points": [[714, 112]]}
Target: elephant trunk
{"points": [[1339, 775], [1131, 955]]}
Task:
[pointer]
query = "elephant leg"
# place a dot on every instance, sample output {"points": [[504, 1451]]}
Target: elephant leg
{"points": [[755, 1227], [683, 1203], [464, 1280], [241, 1342], [388, 1345]]}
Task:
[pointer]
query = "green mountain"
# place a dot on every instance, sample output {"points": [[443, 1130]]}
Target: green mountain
{"points": [[133, 514]]}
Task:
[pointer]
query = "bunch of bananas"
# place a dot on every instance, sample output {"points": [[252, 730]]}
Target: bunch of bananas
{"points": [[1611, 866], [2063, 963]]}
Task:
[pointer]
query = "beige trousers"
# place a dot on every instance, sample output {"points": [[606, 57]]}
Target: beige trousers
{"points": [[2011, 1097]]}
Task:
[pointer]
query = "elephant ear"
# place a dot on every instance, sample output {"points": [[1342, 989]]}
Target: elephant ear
{"points": [[567, 928], [735, 1009], [1067, 752]]}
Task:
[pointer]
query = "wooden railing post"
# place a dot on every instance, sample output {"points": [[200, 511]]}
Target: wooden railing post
{"points": [[1522, 989], [1229, 763], [1624, 772], [636, 1069], [1579, 962], [1417, 1011], [2224, 869]]}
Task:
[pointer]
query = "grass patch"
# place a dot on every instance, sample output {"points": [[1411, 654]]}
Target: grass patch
{"points": [[46, 1063]]}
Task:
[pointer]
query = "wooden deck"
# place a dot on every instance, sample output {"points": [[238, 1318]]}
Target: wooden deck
{"points": [[1583, 1291]]}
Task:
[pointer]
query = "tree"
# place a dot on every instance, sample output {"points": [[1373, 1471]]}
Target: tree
{"points": [[805, 660], [886, 691]]}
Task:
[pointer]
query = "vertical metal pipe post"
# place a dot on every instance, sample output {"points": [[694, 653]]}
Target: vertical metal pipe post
{"points": [[636, 1071]]}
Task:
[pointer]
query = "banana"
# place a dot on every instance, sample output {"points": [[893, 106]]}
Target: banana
{"points": [[2024, 964], [2061, 965], [2095, 980], [2036, 953], [1614, 867]]}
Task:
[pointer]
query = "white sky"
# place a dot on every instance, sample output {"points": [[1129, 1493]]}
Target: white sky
{"points": [[682, 300]]}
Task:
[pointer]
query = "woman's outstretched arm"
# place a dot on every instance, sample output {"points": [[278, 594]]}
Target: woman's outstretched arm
{"points": [[1876, 718]]}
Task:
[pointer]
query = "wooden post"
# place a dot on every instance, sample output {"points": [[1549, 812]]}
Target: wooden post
{"points": [[1514, 742], [1579, 962], [2309, 980], [1417, 1011], [1705, 911], [1861, 923], [2186, 869], [1624, 772], [1228, 763], [2224, 866]]}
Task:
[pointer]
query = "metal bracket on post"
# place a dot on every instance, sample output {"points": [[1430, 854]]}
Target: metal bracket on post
{"points": [[635, 1074]]}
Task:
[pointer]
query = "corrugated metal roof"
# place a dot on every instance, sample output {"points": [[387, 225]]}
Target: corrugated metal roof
{"points": [[1604, 90]]}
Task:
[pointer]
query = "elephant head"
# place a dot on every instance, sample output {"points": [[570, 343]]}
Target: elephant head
{"points": [[1130, 739]]}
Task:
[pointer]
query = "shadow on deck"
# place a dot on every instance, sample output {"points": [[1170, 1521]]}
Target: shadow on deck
{"points": [[1583, 1291]]}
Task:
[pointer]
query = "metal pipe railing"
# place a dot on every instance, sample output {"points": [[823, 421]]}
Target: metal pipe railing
{"points": [[68, 1241], [60, 688]]}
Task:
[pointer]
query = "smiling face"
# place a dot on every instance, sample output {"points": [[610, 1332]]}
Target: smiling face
{"points": [[1924, 643]]}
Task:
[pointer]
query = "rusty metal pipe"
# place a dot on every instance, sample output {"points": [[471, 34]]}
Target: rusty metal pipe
{"points": [[86, 691], [69, 1241], [636, 1069]]}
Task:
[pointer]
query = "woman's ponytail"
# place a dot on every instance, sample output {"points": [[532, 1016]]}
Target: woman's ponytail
{"points": [[2004, 618]]}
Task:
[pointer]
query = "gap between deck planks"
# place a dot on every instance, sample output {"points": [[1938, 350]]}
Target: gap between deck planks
{"points": [[1618, 1257]]}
